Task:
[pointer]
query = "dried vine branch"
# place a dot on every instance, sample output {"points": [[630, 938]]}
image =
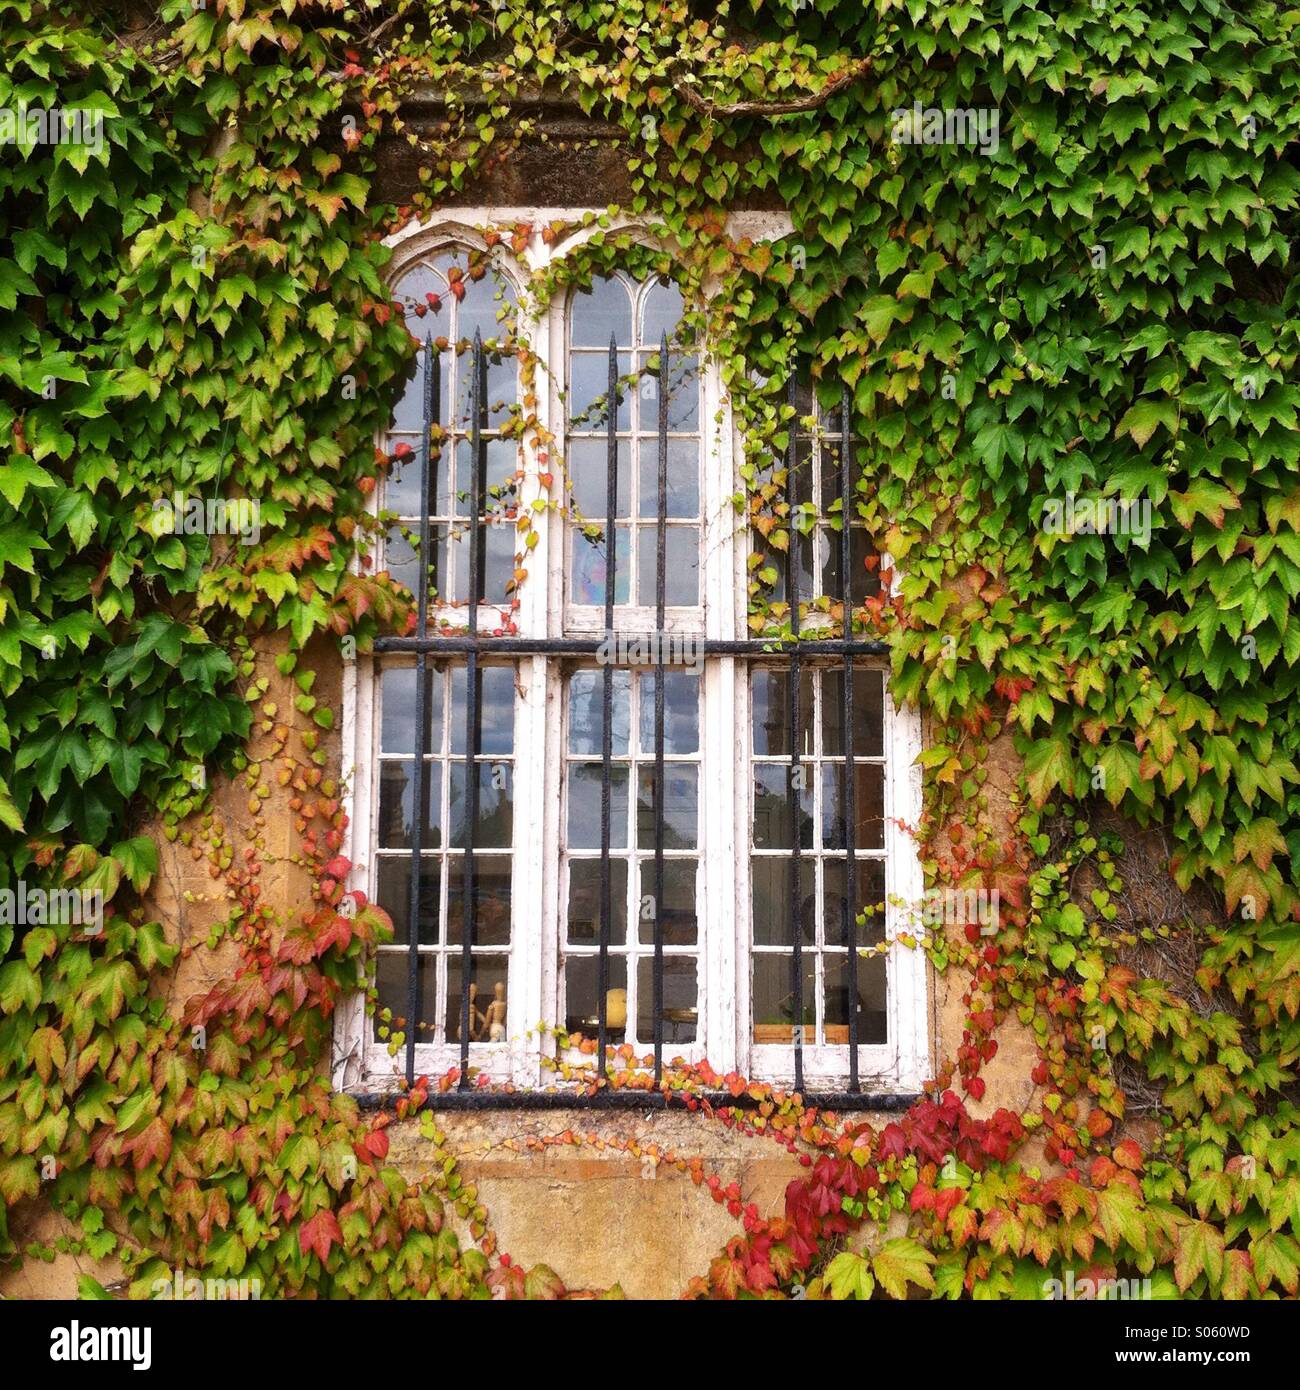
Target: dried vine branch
{"points": [[773, 108]]}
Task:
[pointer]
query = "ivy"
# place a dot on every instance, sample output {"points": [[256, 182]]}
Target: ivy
{"points": [[1095, 308]]}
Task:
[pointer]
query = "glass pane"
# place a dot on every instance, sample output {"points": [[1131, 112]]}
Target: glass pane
{"points": [[869, 808], [589, 391], [682, 495], [581, 981], [584, 901], [681, 713], [861, 581], [679, 919], [397, 805], [587, 711], [397, 728], [681, 566], [422, 293], [680, 1011], [603, 311], [496, 704], [872, 1015], [402, 485], [390, 980], [771, 878], [772, 791], [870, 896], [585, 805], [589, 473], [774, 999], [489, 303], [498, 557], [868, 713], [501, 460], [683, 392], [393, 894], [661, 311], [399, 558], [681, 806], [487, 984], [770, 711], [494, 824], [409, 414], [587, 565], [491, 907]]}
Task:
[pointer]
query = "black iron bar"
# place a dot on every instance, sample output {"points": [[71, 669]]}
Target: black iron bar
{"points": [[473, 707], [796, 864], [661, 549], [590, 646], [607, 704], [850, 800], [632, 1098], [420, 783]]}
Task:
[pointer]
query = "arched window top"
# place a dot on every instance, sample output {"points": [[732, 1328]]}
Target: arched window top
{"points": [[613, 303], [661, 310], [455, 292], [602, 312]]}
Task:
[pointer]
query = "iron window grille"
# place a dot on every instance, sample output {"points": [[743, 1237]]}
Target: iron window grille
{"points": [[449, 941]]}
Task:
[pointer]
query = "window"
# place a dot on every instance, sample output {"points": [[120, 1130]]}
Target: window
{"points": [[619, 798]]}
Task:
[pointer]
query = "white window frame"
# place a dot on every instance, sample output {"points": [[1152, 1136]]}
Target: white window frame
{"points": [[360, 1061]]}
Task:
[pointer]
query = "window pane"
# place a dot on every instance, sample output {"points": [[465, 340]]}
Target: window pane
{"points": [[453, 561], [870, 895], [399, 558], [589, 473], [774, 1001], [869, 808], [488, 1001], [772, 806], [681, 713], [603, 311], [683, 492], [661, 311], [683, 392], [397, 805], [861, 581], [770, 875], [491, 907], [584, 901], [394, 895], [494, 825], [581, 981], [402, 485], [680, 925], [770, 711], [680, 989], [587, 711], [681, 566], [390, 981], [589, 391], [397, 729], [496, 704], [872, 1015], [681, 801], [868, 713], [588, 563], [585, 805]]}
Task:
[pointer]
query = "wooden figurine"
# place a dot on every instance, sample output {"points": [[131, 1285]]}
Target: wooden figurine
{"points": [[494, 1016]]}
